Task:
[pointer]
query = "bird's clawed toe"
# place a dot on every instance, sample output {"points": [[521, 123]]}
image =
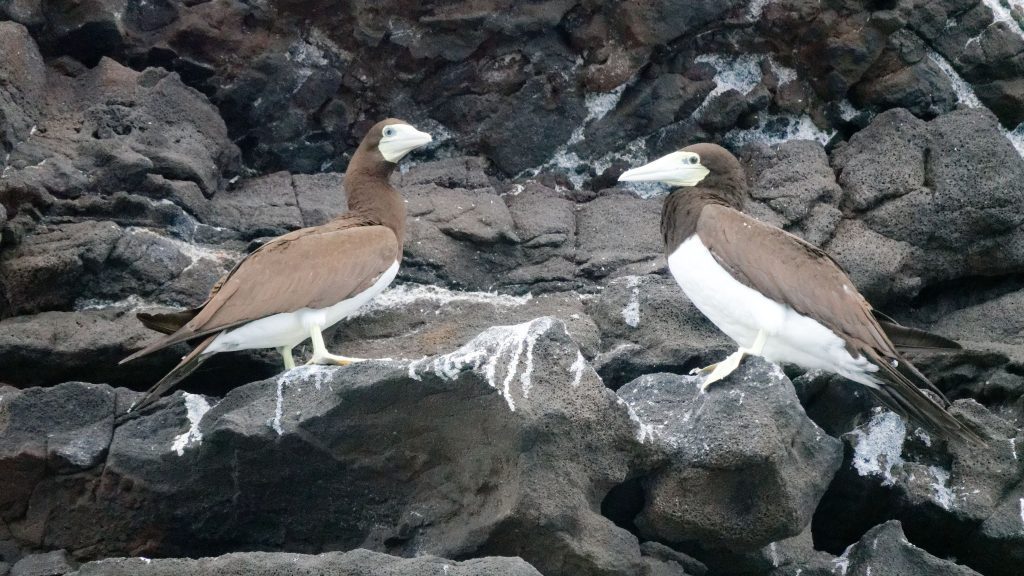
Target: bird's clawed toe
{"points": [[333, 360]]}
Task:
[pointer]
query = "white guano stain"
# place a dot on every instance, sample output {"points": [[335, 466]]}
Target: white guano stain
{"points": [[508, 348], [410, 294], [941, 492], [577, 368], [879, 446], [631, 313], [773, 553], [644, 431], [1002, 11], [195, 407], [841, 564]]}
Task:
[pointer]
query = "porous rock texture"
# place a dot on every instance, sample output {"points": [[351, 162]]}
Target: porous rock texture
{"points": [[530, 409]]}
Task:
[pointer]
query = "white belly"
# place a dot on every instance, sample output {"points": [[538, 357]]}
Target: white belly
{"points": [[740, 312], [290, 328]]}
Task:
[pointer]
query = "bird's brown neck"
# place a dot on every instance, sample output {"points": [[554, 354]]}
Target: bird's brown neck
{"points": [[371, 195], [682, 209]]}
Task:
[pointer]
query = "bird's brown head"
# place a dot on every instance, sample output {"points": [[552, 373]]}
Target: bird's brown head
{"points": [[385, 144], [708, 167]]}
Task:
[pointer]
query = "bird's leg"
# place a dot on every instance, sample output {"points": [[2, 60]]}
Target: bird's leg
{"points": [[286, 355], [732, 361], [320, 353]]}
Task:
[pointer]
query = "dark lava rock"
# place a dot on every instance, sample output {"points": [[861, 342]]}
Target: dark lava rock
{"points": [[395, 450], [355, 563], [953, 498], [636, 246], [886, 549], [61, 266], [906, 77], [743, 465], [648, 325], [50, 431], [795, 181], [934, 199]]}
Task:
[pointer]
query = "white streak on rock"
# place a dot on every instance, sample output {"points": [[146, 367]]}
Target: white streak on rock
{"points": [[879, 446], [1002, 13], [842, 563], [577, 369], [741, 73], [631, 313], [774, 554], [598, 106], [1022, 510], [923, 436], [783, 73], [409, 294], [964, 91], [943, 495], [496, 348], [644, 431], [1016, 137], [756, 8], [768, 132], [130, 304], [196, 406], [194, 252], [1013, 447]]}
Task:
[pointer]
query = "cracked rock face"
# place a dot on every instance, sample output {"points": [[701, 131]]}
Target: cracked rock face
{"points": [[146, 147], [153, 475]]}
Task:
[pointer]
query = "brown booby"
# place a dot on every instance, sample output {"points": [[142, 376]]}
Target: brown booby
{"points": [[776, 295], [303, 282]]}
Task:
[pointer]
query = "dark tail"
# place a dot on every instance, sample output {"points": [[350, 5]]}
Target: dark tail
{"points": [[901, 395], [168, 322], [187, 365], [907, 339]]}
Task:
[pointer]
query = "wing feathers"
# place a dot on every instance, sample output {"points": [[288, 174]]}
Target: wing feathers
{"points": [[790, 271], [308, 268]]}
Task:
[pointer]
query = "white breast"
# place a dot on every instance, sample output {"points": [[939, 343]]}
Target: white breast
{"points": [[740, 312], [290, 328]]}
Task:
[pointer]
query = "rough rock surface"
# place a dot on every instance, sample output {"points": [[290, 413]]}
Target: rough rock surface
{"points": [[520, 385], [146, 146], [354, 563], [744, 465]]}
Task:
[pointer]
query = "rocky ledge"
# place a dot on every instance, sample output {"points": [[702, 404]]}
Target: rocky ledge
{"points": [[528, 408]]}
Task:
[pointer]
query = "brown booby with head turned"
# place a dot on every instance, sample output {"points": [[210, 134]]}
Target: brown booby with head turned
{"points": [[778, 296], [299, 284]]}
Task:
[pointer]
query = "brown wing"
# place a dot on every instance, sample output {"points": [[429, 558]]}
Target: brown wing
{"points": [[779, 264], [312, 267]]}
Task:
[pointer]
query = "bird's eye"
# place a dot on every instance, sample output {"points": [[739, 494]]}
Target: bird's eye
{"points": [[692, 160], [389, 132]]}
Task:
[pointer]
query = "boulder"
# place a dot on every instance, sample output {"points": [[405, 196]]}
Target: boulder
{"points": [[957, 175], [942, 491], [194, 474], [355, 563], [743, 466], [886, 549]]}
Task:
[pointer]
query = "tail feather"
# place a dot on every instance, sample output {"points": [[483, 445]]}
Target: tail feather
{"points": [[901, 395], [187, 365], [907, 339], [167, 322]]}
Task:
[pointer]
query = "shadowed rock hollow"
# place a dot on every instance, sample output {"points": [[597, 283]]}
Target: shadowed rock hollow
{"points": [[530, 411]]}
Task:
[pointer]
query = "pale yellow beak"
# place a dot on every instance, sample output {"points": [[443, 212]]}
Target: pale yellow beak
{"points": [[677, 169], [400, 139]]}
